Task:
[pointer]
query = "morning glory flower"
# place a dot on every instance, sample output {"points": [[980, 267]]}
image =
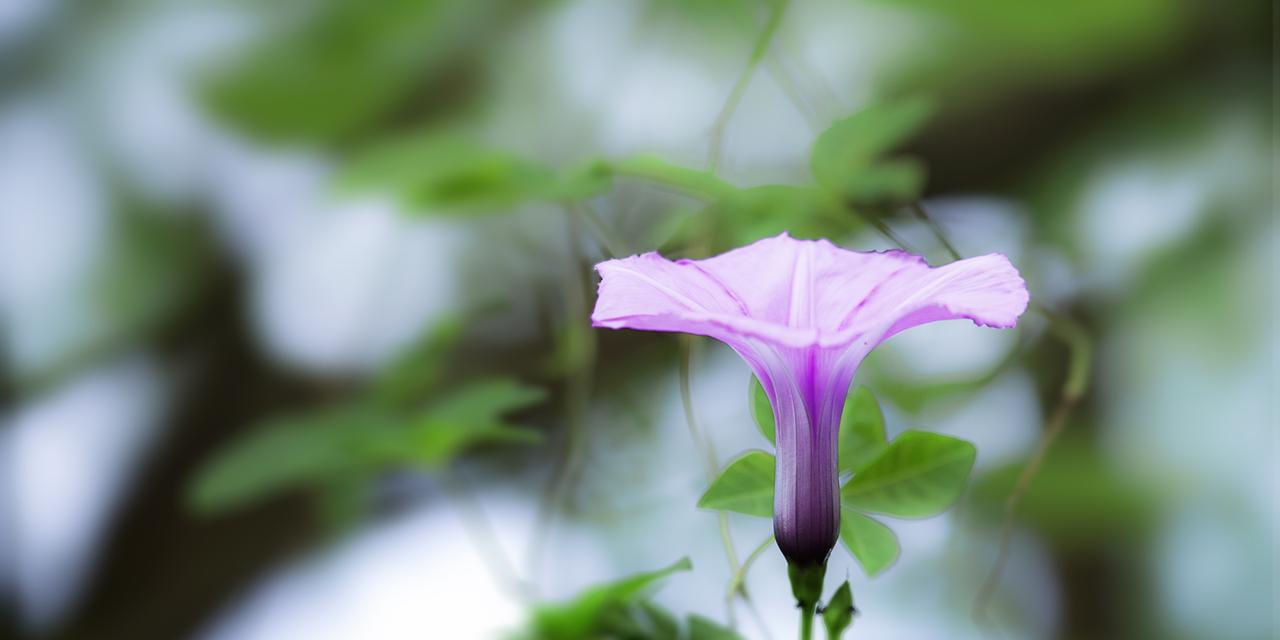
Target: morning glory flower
{"points": [[804, 314]]}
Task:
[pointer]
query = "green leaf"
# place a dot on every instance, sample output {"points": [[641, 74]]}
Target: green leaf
{"points": [[701, 628], [469, 416], [483, 402], [660, 622], [838, 614], [920, 474], [861, 430], [582, 182], [762, 411], [442, 172], [871, 542], [337, 71], [1078, 498], [846, 158], [690, 181], [285, 454], [890, 181], [745, 486], [638, 620], [976, 37], [446, 172], [748, 215], [590, 612], [914, 395], [420, 367], [343, 499], [323, 449]]}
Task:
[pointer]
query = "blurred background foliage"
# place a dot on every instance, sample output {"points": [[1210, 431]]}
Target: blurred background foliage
{"points": [[294, 305]]}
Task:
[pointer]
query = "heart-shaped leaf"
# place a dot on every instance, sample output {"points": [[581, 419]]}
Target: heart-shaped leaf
{"points": [[745, 486], [862, 436], [586, 615], [872, 543], [920, 474], [762, 411]]}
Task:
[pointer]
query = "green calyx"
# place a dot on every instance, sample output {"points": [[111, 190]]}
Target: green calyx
{"points": [[806, 582], [806, 585]]}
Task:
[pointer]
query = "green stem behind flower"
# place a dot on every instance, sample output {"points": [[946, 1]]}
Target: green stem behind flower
{"points": [[758, 51], [577, 399], [482, 535], [934, 227], [739, 578], [605, 234], [1079, 366], [708, 452]]}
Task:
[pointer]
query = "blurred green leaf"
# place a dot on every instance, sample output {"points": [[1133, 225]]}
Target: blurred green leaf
{"points": [[920, 474], [642, 619], [701, 628], [971, 49], [1077, 498], [871, 542], [899, 180], [484, 402], [445, 172], [693, 182], [343, 498], [662, 623], [896, 384], [838, 614], [466, 418], [733, 216], [442, 173], [724, 22], [856, 142], [745, 486], [862, 436], [748, 215], [847, 158], [588, 615], [286, 454], [762, 411], [584, 181], [326, 448], [333, 70], [638, 620], [421, 367], [913, 397]]}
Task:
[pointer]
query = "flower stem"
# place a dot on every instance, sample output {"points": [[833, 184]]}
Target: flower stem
{"points": [[758, 51], [807, 614], [603, 231], [577, 398], [1079, 365], [934, 227], [806, 586], [740, 577], [482, 535]]}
